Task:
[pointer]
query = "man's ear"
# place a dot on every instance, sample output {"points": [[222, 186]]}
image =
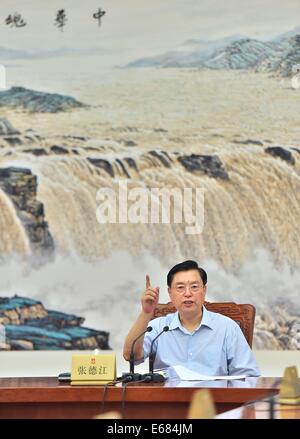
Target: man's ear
{"points": [[204, 290], [169, 291]]}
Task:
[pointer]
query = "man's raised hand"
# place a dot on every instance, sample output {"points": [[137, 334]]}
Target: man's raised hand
{"points": [[150, 297]]}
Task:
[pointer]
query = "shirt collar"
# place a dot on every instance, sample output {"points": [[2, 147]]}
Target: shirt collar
{"points": [[207, 320]]}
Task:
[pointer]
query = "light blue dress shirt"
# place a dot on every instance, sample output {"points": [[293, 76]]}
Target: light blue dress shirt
{"points": [[216, 347]]}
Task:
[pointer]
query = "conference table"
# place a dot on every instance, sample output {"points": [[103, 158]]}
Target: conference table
{"points": [[46, 398]]}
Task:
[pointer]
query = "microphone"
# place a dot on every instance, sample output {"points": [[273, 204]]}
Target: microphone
{"points": [[149, 329], [151, 376], [131, 376]]}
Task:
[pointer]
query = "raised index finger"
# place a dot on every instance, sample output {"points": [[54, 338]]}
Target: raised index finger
{"points": [[147, 281]]}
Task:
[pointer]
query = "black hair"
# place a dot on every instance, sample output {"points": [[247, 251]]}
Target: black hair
{"points": [[185, 266]]}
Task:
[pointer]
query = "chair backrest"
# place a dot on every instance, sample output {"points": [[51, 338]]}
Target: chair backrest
{"points": [[243, 314]]}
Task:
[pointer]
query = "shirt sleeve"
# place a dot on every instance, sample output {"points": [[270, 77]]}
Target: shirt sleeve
{"points": [[240, 358]]}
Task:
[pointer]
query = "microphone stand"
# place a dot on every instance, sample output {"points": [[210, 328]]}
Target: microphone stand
{"points": [[131, 376], [151, 376]]}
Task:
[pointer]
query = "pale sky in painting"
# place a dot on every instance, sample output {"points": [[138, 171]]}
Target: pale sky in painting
{"points": [[143, 27]]}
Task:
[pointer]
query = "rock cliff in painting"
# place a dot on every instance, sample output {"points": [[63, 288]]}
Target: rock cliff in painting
{"points": [[28, 325]]}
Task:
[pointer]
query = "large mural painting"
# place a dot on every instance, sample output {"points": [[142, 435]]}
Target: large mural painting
{"points": [[135, 135]]}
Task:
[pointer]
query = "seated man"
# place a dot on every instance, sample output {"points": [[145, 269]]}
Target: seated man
{"points": [[204, 341]]}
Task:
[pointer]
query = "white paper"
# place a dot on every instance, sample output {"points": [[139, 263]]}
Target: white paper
{"points": [[184, 374]]}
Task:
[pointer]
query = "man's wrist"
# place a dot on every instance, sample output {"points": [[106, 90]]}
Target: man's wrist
{"points": [[147, 316]]}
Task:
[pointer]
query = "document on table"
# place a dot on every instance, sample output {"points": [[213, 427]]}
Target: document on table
{"points": [[184, 374]]}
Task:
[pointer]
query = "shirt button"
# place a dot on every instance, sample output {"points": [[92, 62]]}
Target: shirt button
{"points": [[191, 353]]}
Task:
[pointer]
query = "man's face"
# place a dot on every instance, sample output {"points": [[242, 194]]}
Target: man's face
{"points": [[187, 292]]}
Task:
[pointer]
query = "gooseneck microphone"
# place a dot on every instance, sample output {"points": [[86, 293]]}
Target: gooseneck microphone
{"points": [[131, 376], [149, 329], [152, 354], [151, 376]]}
